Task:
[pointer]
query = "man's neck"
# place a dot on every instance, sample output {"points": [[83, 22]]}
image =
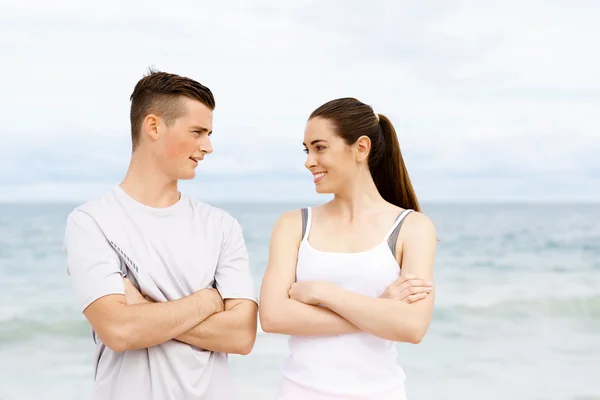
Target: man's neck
{"points": [[146, 184]]}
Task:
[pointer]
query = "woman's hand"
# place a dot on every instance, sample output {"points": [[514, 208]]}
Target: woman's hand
{"points": [[307, 292], [409, 288]]}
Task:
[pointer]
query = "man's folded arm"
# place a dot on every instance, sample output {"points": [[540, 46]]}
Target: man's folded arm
{"points": [[232, 331], [95, 273]]}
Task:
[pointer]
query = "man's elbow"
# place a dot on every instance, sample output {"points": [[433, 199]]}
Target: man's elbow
{"points": [[114, 338], [245, 346], [244, 343], [119, 338]]}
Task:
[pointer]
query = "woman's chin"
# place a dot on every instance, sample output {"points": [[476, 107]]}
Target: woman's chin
{"points": [[322, 189]]}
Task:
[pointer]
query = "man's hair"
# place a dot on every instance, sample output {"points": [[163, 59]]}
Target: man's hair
{"points": [[158, 93]]}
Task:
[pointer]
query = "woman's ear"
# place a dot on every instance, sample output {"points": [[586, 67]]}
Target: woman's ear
{"points": [[363, 147]]}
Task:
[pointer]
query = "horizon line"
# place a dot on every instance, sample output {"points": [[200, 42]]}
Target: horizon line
{"points": [[514, 201]]}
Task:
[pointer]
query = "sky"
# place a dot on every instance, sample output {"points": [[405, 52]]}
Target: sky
{"points": [[492, 101]]}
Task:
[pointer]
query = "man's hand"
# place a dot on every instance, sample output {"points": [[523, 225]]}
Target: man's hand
{"points": [[132, 294], [212, 298], [408, 288]]}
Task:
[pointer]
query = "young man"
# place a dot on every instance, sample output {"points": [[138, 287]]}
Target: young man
{"points": [[196, 300]]}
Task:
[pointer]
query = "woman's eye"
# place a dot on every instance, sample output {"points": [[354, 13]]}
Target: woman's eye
{"points": [[318, 148]]}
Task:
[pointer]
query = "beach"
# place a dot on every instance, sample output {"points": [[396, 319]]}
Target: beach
{"points": [[517, 306]]}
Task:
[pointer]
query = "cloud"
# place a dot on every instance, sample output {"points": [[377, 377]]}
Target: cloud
{"points": [[503, 96]]}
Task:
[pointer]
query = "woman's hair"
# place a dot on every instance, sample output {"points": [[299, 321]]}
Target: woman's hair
{"points": [[352, 119]]}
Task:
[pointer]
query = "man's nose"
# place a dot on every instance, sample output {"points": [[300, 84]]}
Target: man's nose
{"points": [[206, 146]]}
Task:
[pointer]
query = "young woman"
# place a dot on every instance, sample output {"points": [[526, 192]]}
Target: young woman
{"points": [[349, 278]]}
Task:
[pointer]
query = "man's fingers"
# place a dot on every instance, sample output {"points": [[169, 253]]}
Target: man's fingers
{"points": [[128, 283]]}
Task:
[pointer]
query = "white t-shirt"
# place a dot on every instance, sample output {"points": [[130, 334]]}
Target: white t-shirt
{"points": [[171, 252]]}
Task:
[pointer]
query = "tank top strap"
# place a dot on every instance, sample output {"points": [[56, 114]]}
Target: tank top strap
{"points": [[306, 222], [396, 227]]}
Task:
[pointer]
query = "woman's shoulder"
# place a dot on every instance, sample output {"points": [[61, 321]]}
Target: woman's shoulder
{"points": [[292, 219], [418, 225], [289, 217], [416, 217]]}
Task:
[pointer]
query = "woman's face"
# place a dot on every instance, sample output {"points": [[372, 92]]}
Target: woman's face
{"points": [[330, 160]]}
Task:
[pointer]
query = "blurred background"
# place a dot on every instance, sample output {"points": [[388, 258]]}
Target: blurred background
{"points": [[496, 108]]}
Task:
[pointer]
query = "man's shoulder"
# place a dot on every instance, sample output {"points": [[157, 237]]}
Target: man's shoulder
{"points": [[94, 205]]}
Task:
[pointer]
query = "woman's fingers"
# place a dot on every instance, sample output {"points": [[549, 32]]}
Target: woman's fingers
{"points": [[411, 280], [416, 297]]}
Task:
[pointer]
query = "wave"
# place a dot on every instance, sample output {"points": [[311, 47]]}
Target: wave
{"points": [[565, 307], [20, 329]]}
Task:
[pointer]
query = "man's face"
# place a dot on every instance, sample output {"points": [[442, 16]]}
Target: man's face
{"points": [[182, 144]]}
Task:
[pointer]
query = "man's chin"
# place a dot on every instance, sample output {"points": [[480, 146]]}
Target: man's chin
{"points": [[187, 176]]}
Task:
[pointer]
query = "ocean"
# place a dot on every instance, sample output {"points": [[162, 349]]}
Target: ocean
{"points": [[517, 311]]}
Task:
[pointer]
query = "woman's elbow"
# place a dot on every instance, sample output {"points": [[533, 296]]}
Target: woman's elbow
{"points": [[270, 319], [268, 322], [413, 334], [419, 332], [416, 337]]}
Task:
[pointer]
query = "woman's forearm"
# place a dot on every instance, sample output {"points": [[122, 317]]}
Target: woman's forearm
{"points": [[386, 318], [292, 317]]}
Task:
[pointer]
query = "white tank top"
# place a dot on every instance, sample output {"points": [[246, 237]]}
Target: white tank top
{"points": [[360, 363]]}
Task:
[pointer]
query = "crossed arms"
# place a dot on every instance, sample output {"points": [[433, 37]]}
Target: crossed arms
{"points": [[402, 313], [126, 320], [197, 319]]}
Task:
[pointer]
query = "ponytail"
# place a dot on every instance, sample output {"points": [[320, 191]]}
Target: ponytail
{"points": [[389, 171]]}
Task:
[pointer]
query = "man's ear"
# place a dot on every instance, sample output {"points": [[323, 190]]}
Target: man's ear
{"points": [[363, 148], [150, 126]]}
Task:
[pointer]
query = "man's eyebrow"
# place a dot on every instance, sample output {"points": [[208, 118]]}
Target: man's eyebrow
{"points": [[199, 128], [314, 141]]}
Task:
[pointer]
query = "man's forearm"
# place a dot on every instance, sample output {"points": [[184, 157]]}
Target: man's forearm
{"points": [[292, 317], [150, 324], [232, 331]]}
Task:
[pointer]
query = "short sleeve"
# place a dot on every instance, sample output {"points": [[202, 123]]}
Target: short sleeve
{"points": [[232, 277], [92, 264]]}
